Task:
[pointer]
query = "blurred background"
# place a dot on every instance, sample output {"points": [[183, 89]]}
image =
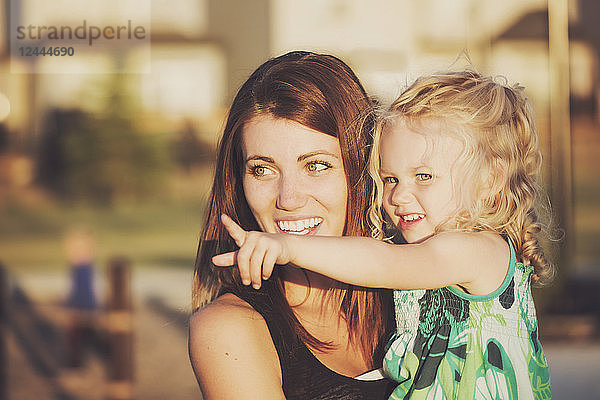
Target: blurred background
{"points": [[104, 175]]}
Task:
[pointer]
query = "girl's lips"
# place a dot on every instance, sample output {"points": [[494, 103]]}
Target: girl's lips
{"points": [[407, 221], [408, 225], [307, 226]]}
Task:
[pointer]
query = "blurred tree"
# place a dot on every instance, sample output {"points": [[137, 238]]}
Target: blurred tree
{"points": [[3, 138], [188, 150], [101, 158]]}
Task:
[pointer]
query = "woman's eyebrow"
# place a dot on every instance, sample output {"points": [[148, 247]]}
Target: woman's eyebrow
{"points": [[317, 153], [260, 158]]}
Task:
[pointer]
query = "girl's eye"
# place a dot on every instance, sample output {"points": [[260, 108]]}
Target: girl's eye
{"points": [[318, 166], [260, 170], [423, 177], [390, 179]]}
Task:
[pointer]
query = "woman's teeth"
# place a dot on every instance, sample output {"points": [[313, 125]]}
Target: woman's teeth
{"points": [[299, 226], [412, 217]]}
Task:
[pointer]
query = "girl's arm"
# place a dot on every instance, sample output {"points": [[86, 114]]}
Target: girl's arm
{"points": [[476, 261], [232, 353]]}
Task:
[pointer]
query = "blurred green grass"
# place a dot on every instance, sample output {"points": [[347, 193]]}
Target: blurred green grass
{"points": [[163, 234]]}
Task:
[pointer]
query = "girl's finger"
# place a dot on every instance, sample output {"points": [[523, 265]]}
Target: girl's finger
{"points": [[243, 261], [256, 265], [268, 264], [225, 259], [235, 231]]}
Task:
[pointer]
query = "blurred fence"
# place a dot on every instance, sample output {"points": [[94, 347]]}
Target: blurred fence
{"points": [[49, 348]]}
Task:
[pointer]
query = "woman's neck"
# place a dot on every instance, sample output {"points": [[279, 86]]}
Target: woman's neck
{"points": [[307, 293], [310, 298]]}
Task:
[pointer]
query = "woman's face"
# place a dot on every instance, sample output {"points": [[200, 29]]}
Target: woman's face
{"points": [[294, 178]]}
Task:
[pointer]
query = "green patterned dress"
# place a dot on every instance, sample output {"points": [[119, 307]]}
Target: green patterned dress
{"points": [[452, 345]]}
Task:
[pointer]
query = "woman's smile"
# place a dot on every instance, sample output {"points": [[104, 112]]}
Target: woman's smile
{"points": [[306, 226]]}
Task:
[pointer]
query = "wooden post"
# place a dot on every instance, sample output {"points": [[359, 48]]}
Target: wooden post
{"points": [[560, 134], [4, 309], [120, 331]]}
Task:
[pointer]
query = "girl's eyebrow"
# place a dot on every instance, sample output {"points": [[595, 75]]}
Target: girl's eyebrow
{"points": [[316, 153], [412, 170], [423, 166], [260, 158]]}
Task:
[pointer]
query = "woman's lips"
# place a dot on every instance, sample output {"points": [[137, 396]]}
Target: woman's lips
{"points": [[306, 226]]}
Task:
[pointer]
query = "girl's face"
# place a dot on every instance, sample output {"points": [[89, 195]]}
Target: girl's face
{"points": [[419, 170], [294, 181]]}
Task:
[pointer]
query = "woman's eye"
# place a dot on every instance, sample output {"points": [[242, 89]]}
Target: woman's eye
{"points": [[390, 179], [318, 166], [423, 177], [260, 170]]}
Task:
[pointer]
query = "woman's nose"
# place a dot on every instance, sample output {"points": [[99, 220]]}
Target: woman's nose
{"points": [[291, 194]]}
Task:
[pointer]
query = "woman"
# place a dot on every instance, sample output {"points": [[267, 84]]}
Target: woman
{"points": [[292, 159]]}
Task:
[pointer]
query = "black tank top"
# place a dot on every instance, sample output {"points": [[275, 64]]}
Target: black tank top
{"points": [[304, 376]]}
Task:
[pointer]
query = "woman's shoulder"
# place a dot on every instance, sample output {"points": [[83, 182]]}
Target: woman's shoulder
{"points": [[224, 308], [226, 337], [228, 315]]}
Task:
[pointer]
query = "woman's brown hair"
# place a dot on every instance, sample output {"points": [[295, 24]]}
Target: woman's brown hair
{"points": [[321, 92]]}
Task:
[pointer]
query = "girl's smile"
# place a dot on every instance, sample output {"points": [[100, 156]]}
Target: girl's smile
{"points": [[408, 220]]}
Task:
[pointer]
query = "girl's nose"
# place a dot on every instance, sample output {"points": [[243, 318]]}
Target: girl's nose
{"points": [[400, 194], [291, 194]]}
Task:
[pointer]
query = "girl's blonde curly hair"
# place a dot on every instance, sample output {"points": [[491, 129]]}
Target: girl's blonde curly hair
{"points": [[496, 125]]}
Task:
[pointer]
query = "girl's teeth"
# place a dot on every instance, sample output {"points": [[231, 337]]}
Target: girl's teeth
{"points": [[412, 217]]}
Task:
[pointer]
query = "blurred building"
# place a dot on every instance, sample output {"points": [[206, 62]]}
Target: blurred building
{"points": [[202, 50]]}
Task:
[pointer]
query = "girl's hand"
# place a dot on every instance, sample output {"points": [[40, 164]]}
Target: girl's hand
{"points": [[257, 255]]}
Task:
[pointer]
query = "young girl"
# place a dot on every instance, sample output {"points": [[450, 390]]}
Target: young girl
{"points": [[455, 162]]}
